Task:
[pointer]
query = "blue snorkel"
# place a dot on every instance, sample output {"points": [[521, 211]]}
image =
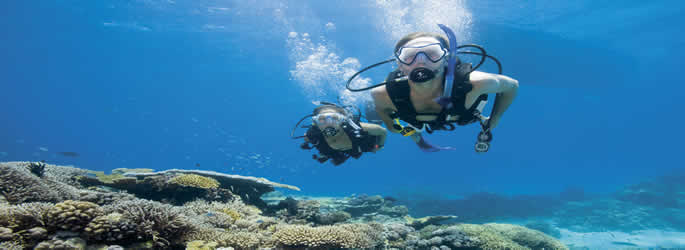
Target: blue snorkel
{"points": [[444, 100]]}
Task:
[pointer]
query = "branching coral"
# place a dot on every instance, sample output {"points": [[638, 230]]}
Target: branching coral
{"points": [[160, 222], [25, 216], [193, 180], [11, 245], [19, 185]]}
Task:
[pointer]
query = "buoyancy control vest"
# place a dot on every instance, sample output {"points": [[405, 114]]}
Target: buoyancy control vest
{"points": [[361, 140], [399, 92]]}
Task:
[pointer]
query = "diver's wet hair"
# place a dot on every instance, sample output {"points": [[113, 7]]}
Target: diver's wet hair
{"points": [[337, 109], [404, 40]]}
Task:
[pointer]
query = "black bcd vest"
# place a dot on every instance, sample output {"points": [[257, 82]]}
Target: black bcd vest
{"points": [[361, 142], [398, 90]]}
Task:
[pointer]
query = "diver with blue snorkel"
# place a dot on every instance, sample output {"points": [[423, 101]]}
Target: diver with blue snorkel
{"points": [[432, 89]]}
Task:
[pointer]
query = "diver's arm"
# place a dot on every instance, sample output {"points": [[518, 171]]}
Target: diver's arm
{"points": [[384, 106], [376, 130], [505, 87]]}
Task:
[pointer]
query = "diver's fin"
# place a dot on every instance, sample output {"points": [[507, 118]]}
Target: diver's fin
{"points": [[425, 146]]}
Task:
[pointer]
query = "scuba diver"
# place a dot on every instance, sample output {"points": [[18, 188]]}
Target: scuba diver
{"points": [[338, 134], [432, 89]]}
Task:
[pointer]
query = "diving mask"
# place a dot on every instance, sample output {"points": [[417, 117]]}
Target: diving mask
{"points": [[328, 122], [434, 52]]}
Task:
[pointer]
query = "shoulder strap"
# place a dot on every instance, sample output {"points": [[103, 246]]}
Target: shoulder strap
{"points": [[357, 135], [398, 91], [462, 86]]}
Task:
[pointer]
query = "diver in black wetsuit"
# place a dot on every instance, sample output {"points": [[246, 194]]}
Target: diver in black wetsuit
{"points": [[338, 135], [433, 90]]}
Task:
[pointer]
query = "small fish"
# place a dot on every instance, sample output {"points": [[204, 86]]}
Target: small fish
{"points": [[260, 221], [44, 149], [3, 154], [210, 214], [69, 154], [197, 164]]}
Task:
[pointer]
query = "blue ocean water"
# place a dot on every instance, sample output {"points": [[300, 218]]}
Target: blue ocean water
{"points": [[218, 85]]}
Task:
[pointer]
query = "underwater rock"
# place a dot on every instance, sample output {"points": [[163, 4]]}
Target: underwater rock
{"points": [[662, 192], [332, 217], [419, 223]]}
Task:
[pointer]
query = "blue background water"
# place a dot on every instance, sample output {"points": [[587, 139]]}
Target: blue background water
{"points": [[172, 84]]}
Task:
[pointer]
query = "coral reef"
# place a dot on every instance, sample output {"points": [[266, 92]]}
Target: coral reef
{"points": [[443, 238], [201, 245], [111, 227], [181, 186], [11, 245], [37, 168], [73, 215], [100, 215], [487, 236], [193, 180], [363, 204], [339, 236], [419, 223], [526, 237], [332, 217], [18, 185], [297, 212], [247, 187], [72, 243], [155, 221]]}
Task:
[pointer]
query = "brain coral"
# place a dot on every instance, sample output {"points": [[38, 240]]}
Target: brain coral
{"points": [[339, 236], [73, 215]]}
